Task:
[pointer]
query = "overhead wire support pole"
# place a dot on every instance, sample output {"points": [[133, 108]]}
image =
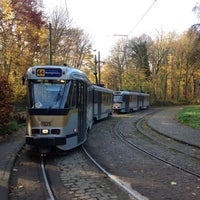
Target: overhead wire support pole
{"points": [[99, 62], [95, 68], [50, 45]]}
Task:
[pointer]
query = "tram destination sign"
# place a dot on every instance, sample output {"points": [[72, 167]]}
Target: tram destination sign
{"points": [[48, 72]]}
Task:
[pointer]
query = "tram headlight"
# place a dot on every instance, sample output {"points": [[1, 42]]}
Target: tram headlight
{"points": [[45, 131]]}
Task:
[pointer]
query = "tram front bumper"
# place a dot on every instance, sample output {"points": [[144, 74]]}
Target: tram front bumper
{"points": [[45, 141]]}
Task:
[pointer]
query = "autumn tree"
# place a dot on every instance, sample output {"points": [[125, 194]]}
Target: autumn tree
{"points": [[138, 68], [192, 61], [158, 57], [7, 37], [20, 24], [137, 52], [117, 63], [70, 45], [110, 74]]}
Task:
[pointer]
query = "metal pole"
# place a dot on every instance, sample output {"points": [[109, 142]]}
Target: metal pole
{"points": [[99, 62], [50, 45], [95, 68]]}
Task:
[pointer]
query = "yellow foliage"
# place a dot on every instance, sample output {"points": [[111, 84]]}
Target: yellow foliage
{"points": [[7, 10]]}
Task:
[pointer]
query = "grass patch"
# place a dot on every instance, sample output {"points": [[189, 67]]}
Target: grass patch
{"points": [[190, 116]]}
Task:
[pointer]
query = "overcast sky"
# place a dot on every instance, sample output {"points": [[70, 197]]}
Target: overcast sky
{"points": [[104, 18]]}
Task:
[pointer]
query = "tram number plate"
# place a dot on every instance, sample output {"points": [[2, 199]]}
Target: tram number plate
{"points": [[40, 72]]}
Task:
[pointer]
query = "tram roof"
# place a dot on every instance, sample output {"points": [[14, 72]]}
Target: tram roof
{"points": [[102, 89], [56, 72], [130, 93]]}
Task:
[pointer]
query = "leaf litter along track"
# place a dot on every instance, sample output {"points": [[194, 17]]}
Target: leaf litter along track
{"points": [[169, 155]]}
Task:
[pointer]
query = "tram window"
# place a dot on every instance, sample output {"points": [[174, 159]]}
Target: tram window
{"points": [[81, 93], [74, 96], [71, 98], [126, 98], [105, 98], [110, 98], [117, 98], [47, 93], [133, 98], [91, 96], [96, 96]]}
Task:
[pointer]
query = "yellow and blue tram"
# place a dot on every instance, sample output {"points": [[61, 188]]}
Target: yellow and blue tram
{"points": [[129, 101], [62, 106]]}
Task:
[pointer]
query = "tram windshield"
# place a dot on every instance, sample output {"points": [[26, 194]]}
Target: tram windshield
{"points": [[117, 98], [47, 94]]}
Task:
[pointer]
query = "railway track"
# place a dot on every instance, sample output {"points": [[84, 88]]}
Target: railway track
{"points": [[46, 181], [139, 160], [182, 150], [70, 176], [157, 167], [26, 181], [189, 151], [180, 156]]}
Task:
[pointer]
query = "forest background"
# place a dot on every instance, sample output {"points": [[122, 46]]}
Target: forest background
{"points": [[167, 67]]}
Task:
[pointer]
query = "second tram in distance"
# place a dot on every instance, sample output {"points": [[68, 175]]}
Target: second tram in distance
{"points": [[128, 101], [62, 106]]}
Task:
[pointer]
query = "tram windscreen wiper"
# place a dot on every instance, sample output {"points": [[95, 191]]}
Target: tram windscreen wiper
{"points": [[58, 96], [56, 101], [58, 92]]}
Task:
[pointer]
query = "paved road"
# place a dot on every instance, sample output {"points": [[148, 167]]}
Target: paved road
{"points": [[165, 123]]}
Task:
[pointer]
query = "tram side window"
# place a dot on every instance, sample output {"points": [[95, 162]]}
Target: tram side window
{"points": [[96, 96], [81, 93], [102, 98], [71, 99], [110, 98], [104, 101], [126, 98], [133, 98], [74, 96], [91, 96], [105, 98]]}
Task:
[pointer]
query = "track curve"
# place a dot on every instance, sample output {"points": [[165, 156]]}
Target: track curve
{"points": [[146, 174]]}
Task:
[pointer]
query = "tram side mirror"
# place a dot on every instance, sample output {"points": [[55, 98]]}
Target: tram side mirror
{"points": [[23, 80]]}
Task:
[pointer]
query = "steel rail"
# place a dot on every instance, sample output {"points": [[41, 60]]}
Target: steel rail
{"points": [[46, 179], [116, 180]]}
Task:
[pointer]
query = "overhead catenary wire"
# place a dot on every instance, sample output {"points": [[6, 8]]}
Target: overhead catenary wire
{"points": [[149, 8]]}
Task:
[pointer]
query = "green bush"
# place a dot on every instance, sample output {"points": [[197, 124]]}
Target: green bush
{"points": [[12, 126]]}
